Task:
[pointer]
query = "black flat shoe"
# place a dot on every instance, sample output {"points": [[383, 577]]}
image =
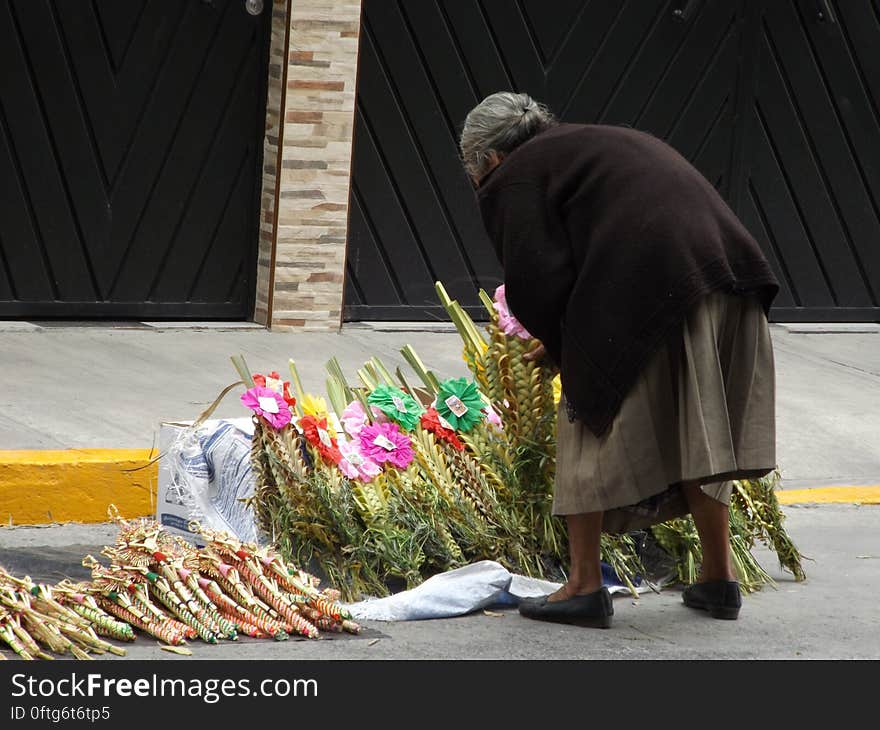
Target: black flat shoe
{"points": [[592, 610], [721, 598]]}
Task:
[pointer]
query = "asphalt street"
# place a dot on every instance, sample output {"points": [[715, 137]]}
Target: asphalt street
{"points": [[831, 615]]}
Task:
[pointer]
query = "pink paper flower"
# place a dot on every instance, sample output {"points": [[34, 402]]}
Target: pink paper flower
{"points": [[384, 443], [507, 323], [493, 418], [354, 419], [354, 464], [268, 404]]}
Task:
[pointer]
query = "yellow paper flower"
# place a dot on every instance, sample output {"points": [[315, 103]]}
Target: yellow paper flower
{"points": [[557, 389], [313, 405], [316, 406]]}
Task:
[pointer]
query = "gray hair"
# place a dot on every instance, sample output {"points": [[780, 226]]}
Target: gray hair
{"points": [[500, 123]]}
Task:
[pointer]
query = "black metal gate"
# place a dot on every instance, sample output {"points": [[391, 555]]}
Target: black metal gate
{"points": [[130, 152], [776, 102], [810, 186]]}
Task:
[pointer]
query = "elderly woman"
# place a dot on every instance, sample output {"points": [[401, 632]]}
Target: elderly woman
{"points": [[651, 298]]}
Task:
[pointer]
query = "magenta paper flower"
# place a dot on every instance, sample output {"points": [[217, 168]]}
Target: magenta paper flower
{"points": [[384, 443], [354, 464], [354, 419], [267, 403], [507, 323]]}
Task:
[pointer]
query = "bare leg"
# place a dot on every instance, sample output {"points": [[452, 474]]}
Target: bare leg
{"points": [[584, 534], [712, 519]]}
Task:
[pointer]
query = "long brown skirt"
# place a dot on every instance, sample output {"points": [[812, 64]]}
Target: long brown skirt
{"points": [[703, 410]]}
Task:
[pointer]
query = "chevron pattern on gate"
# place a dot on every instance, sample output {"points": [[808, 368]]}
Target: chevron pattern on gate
{"points": [[812, 182], [667, 67], [130, 145]]}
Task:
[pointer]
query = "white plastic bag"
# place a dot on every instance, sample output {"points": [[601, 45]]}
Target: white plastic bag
{"points": [[205, 474]]}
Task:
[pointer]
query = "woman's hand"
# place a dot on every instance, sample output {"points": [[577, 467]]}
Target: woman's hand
{"points": [[537, 353]]}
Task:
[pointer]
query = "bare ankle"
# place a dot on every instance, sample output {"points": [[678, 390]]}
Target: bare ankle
{"points": [[582, 587], [706, 575]]}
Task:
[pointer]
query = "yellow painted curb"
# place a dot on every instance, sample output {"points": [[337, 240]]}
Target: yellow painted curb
{"points": [[830, 495], [75, 485]]}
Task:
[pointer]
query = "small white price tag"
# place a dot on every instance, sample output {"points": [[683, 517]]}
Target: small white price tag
{"points": [[324, 438], [268, 405], [443, 422], [456, 406], [398, 404], [384, 442], [355, 459]]}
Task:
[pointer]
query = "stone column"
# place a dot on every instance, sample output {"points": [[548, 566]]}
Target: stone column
{"points": [[301, 268]]}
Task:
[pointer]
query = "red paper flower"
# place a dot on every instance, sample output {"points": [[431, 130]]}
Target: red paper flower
{"points": [[273, 382], [431, 422], [317, 435]]}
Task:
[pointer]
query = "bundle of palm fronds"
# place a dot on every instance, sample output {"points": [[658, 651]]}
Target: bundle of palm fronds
{"points": [[35, 622], [166, 588], [392, 482]]}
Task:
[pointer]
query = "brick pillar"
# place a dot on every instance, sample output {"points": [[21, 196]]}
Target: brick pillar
{"points": [[302, 250], [274, 102]]}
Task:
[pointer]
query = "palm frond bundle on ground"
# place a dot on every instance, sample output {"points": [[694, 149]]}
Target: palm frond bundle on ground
{"points": [[164, 587], [396, 477]]}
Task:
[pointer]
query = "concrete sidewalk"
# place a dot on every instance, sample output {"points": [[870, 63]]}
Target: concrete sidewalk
{"points": [[89, 387]]}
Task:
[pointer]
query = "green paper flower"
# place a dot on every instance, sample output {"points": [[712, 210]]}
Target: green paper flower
{"points": [[398, 406], [460, 403]]}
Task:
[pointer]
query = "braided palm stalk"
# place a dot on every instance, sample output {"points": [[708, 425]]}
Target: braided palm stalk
{"points": [[27, 625], [229, 579], [201, 613], [351, 626], [87, 639], [325, 623], [140, 597], [104, 623], [222, 625], [27, 641], [48, 633], [437, 470], [492, 452], [248, 622], [266, 492], [13, 642], [164, 631], [252, 626], [277, 601], [238, 614]]}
